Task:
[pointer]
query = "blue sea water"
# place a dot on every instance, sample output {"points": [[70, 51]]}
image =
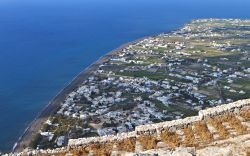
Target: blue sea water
{"points": [[45, 43]]}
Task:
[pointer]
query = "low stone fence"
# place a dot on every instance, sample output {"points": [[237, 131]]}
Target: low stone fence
{"points": [[234, 107], [149, 129], [167, 125], [173, 125], [102, 139], [38, 152]]}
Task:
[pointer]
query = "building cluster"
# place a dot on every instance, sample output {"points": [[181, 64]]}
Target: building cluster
{"points": [[165, 77]]}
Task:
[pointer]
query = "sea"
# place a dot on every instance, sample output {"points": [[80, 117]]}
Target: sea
{"points": [[44, 44]]}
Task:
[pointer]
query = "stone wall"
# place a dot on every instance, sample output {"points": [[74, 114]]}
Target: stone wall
{"points": [[103, 139], [173, 125], [149, 129], [234, 107]]}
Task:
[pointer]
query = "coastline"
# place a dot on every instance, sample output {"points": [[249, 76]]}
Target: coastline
{"points": [[36, 124], [32, 129], [55, 103]]}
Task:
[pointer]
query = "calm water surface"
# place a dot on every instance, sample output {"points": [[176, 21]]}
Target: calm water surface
{"points": [[45, 43]]}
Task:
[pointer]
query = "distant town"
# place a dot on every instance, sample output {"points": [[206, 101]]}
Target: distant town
{"points": [[159, 78]]}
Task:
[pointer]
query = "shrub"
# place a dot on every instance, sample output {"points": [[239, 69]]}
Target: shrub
{"points": [[171, 138], [100, 149], [217, 124], [189, 137], [127, 145], [148, 142], [245, 114], [202, 130], [234, 122]]}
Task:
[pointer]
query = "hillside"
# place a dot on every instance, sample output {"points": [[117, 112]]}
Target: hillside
{"points": [[154, 94], [222, 130]]}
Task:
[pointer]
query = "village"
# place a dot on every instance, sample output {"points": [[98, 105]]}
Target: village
{"points": [[159, 78]]}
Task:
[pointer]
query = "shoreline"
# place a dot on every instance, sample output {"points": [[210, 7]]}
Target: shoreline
{"points": [[53, 105], [35, 125]]}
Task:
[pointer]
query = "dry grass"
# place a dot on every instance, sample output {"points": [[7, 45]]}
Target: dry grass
{"points": [[76, 152], [235, 123], [248, 151], [201, 129], [171, 138], [217, 124], [189, 137], [148, 142], [245, 114], [100, 149], [127, 145]]}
